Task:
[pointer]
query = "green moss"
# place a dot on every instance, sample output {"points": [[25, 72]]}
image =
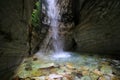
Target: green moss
{"points": [[35, 19]]}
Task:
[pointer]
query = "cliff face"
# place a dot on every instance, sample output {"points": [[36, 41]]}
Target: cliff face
{"points": [[66, 22], [97, 26], [14, 21]]}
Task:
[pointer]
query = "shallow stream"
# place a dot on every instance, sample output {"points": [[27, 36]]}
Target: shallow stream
{"points": [[69, 66]]}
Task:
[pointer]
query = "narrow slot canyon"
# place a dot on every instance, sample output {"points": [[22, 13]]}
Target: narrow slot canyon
{"points": [[59, 40]]}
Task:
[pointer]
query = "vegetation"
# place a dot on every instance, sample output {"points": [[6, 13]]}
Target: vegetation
{"points": [[35, 19]]}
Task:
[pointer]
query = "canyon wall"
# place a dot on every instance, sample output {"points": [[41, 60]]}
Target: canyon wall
{"points": [[14, 22], [97, 27]]}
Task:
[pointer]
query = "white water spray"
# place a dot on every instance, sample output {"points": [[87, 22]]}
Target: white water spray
{"points": [[54, 16], [53, 13]]}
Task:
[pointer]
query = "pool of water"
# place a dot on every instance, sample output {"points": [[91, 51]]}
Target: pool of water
{"points": [[77, 58], [78, 66]]}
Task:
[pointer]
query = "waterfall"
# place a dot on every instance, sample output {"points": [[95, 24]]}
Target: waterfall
{"points": [[53, 13], [54, 16]]}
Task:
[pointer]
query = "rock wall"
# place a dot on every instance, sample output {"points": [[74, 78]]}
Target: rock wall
{"points": [[66, 22], [14, 21], [97, 26]]}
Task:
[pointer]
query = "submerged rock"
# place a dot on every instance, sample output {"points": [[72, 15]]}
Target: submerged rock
{"points": [[85, 73], [28, 78], [115, 78], [84, 68], [107, 77], [48, 65], [97, 72], [101, 78], [54, 77], [39, 78], [86, 78], [35, 59], [36, 73], [68, 76], [70, 66], [106, 69], [28, 68], [94, 76], [76, 78]]}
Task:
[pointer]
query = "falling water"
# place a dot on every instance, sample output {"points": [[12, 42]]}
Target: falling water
{"points": [[53, 13], [54, 16]]}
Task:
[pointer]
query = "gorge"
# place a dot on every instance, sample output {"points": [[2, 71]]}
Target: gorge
{"points": [[59, 40]]}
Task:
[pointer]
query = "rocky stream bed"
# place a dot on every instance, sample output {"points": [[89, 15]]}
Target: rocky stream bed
{"points": [[74, 67]]}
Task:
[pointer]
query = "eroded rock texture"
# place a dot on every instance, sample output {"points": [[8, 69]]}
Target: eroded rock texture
{"points": [[98, 26], [65, 22], [14, 21]]}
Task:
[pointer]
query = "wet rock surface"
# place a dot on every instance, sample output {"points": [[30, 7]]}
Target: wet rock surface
{"points": [[65, 21], [97, 26], [86, 68], [14, 21]]}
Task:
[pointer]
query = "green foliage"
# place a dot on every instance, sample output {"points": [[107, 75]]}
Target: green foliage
{"points": [[36, 15]]}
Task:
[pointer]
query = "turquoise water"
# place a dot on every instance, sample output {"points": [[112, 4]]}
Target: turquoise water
{"points": [[69, 62], [82, 59]]}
